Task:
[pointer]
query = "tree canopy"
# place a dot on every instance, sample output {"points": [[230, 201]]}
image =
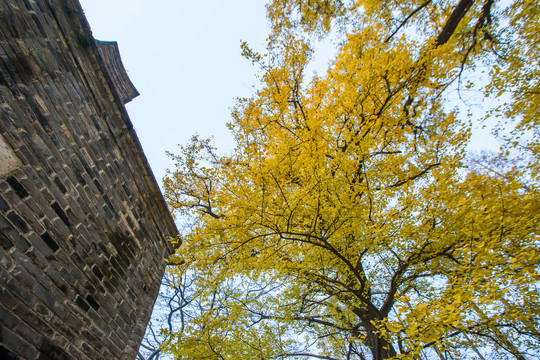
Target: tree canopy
{"points": [[351, 221]]}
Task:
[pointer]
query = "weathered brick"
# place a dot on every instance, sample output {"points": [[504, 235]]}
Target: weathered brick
{"points": [[8, 319], [29, 334], [17, 187], [13, 345], [13, 235], [47, 296], [17, 221], [4, 206], [37, 257], [5, 243], [76, 238], [51, 243]]}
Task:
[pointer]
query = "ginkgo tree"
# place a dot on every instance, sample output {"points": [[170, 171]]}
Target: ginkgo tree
{"points": [[349, 222]]}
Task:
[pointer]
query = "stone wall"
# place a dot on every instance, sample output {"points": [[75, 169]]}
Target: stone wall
{"points": [[84, 230]]}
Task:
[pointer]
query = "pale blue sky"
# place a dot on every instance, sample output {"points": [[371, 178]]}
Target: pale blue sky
{"points": [[184, 59]]}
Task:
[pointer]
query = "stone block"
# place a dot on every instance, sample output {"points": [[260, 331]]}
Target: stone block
{"points": [[83, 227]]}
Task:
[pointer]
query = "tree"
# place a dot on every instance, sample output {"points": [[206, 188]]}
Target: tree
{"points": [[171, 311], [348, 222]]}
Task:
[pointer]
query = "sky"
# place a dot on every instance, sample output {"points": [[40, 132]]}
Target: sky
{"points": [[185, 60], [183, 56]]}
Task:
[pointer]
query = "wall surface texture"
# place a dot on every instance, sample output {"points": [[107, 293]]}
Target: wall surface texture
{"points": [[84, 230]]}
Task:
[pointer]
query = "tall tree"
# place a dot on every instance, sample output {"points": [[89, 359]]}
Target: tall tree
{"points": [[348, 222]]}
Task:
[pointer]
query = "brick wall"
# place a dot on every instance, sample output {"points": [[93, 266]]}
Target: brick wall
{"points": [[84, 230]]}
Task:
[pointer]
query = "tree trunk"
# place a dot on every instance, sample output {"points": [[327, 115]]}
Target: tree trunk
{"points": [[380, 348]]}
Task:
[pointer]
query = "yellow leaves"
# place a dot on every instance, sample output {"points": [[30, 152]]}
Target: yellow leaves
{"points": [[313, 16], [248, 53], [347, 200]]}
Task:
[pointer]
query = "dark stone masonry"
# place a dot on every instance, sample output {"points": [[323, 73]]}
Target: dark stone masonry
{"points": [[84, 230]]}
